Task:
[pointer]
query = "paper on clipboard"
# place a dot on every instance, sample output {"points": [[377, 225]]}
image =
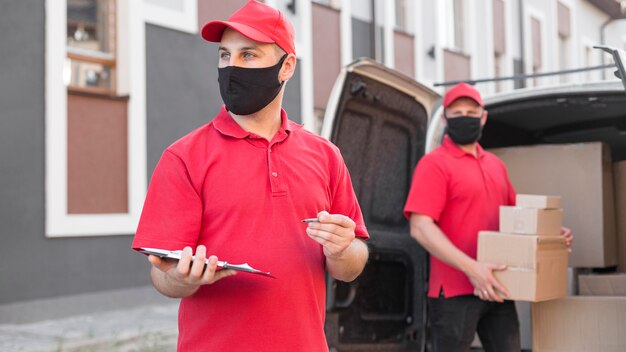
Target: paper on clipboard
{"points": [[164, 253]]}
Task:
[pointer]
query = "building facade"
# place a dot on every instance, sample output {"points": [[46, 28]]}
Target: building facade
{"points": [[93, 91]]}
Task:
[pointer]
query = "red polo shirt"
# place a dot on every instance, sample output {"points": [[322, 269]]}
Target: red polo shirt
{"points": [[243, 198], [462, 193]]}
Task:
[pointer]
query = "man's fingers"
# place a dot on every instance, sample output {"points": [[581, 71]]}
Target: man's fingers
{"points": [[497, 266], [160, 263], [493, 295], [185, 262], [337, 219], [495, 284], [197, 267], [323, 237]]}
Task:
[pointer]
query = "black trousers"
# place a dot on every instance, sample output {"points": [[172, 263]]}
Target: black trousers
{"points": [[455, 320]]}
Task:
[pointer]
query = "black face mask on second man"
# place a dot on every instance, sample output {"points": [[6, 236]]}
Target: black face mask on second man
{"points": [[464, 130], [248, 90]]}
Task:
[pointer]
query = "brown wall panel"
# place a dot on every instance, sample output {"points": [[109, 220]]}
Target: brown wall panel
{"points": [[326, 52], [405, 53], [563, 20], [499, 45], [209, 10], [97, 154], [536, 42], [457, 66]]}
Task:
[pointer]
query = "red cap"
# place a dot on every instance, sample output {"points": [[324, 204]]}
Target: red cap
{"points": [[462, 90], [257, 21]]}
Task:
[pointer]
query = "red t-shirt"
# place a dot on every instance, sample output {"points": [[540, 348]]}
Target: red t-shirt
{"points": [[243, 198], [463, 194]]}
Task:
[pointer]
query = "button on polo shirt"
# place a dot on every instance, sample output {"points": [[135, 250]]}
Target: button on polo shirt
{"points": [[462, 193], [243, 198]]}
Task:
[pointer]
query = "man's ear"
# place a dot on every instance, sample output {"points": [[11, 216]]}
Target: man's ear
{"points": [[483, 120], [288, 69]]}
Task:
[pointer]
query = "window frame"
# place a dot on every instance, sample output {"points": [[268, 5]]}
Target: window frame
{"points": [[184, 21], [131, 61]]}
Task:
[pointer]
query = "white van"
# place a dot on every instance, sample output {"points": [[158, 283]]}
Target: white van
{"points": [[383, 122]]}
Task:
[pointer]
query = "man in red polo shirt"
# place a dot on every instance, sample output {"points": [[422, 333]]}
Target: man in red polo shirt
{"points": [[238, 188], [456, 191]]}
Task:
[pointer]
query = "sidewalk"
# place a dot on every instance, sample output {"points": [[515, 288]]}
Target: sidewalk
{"points": [[148, 328]]}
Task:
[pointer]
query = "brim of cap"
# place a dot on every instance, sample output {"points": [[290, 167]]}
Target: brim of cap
{"points": [[213, 31]]}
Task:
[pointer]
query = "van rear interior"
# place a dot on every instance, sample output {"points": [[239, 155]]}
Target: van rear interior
{"points": [[570, 117]]}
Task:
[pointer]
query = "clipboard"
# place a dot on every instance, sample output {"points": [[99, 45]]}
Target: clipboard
{"points": [[164, 253]]}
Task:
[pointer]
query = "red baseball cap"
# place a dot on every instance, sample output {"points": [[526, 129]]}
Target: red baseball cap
{"points": [[462, 90], [257, 21]]}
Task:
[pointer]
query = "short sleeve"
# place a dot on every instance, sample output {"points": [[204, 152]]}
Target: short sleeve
{"points": [[172, 212], [344, 199], [429, 189]]}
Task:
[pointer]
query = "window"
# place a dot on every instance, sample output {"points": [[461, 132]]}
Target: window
{"points": [[564, 31], [180, 15], [402, 16], [91, 42], [455, 25]]}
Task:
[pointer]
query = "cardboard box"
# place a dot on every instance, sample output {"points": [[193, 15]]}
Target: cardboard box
{"points": [[602, 284], [536, 265], [620, 212], [580, 324], [582, 175], [531, 221], [538, 201]]}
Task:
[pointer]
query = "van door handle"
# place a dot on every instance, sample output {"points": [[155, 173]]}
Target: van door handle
{"points": [[331, 295]]}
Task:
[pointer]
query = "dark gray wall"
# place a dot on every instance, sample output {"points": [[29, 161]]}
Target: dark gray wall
{"points": [[182, 91]]}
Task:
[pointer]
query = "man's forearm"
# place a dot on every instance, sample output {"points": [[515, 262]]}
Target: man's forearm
{"points": [[430, 236], [351, 263]]}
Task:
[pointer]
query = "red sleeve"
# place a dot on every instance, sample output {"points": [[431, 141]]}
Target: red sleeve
{"points": [[344, 199], [172, 212], [429, 190]]}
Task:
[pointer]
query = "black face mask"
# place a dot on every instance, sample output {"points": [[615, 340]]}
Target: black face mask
{"points": [[248, 90], [464, 130]]}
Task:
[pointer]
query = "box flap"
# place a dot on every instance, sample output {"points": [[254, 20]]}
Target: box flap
{"points": [[538, 201]]}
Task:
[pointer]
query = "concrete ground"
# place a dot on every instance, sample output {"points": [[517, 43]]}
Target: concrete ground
{"points": [[146, 328]]}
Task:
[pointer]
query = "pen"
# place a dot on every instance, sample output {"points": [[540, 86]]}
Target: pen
{"points": [[310, 220]]}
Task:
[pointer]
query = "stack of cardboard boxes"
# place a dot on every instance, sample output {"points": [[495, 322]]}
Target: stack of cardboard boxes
{"points": [[530, 245], [593, 191]]}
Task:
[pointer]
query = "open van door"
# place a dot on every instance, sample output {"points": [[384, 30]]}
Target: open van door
{"points": [[378, 118]]}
